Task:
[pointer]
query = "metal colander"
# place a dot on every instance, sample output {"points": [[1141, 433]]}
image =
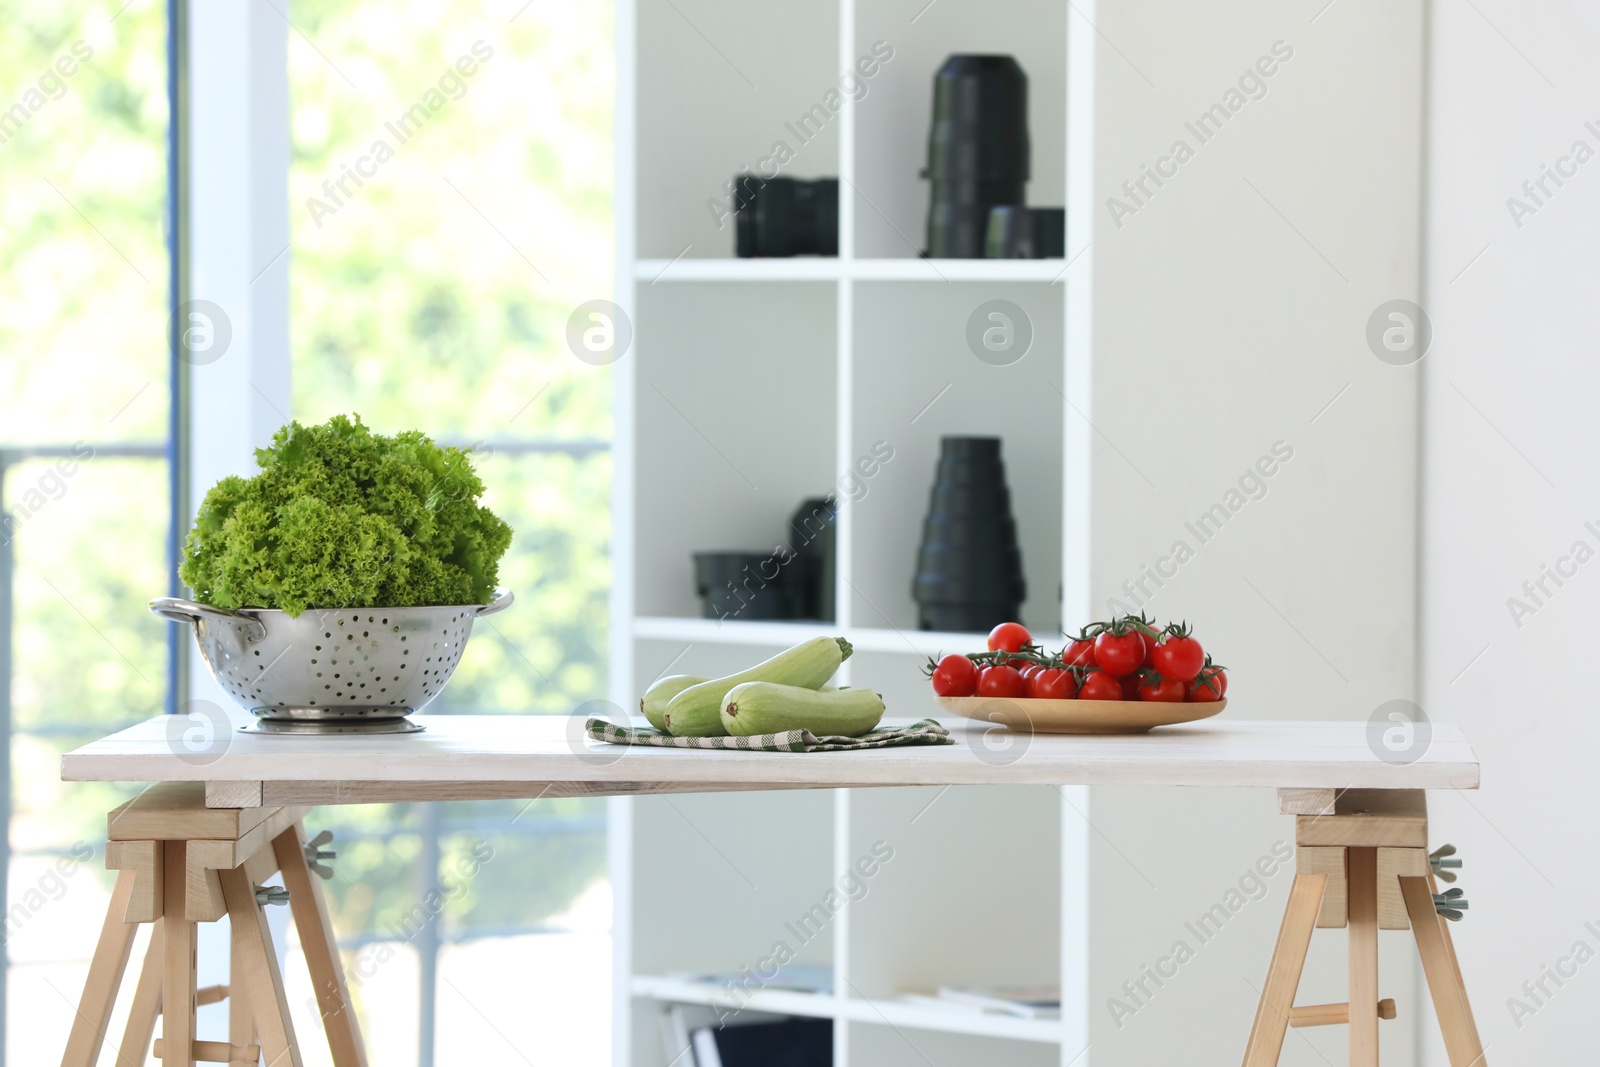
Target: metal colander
{"points": [[331, 669]]}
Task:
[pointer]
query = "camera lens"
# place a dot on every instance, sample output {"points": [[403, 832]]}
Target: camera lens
{"points": [[786, 216], [978, 151], [1026, 232]]}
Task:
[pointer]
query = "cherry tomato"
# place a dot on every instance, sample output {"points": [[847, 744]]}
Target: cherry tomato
{"points": [[955, 676], [1167, 690], [1119, 654], [1130, 686], [1079, 653], [1179, 657], [1052, 684], [1149, 652], [1200, 692], [1026, 669], [1009, 637], [1099, 685], [1000, 682]]}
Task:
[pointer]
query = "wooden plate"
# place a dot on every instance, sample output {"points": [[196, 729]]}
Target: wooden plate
{"points": [[1028, 715]]}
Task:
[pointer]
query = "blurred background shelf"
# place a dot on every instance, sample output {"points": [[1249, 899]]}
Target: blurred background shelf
{"points": [[888, 1012], [780, 635], [959, 270], [652, 271], [775, 1001], [910, 1016]]}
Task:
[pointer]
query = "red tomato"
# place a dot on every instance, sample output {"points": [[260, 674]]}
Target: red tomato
{"points": [[955, 676], [1099, 685], [1180, 658], [1149, 652], [1079, 653], [1200, 692], [1119, 654], [1000, 682], [1052, 684], [1009, 637], [1168, 690], [1130, 686], [1026, 669]]}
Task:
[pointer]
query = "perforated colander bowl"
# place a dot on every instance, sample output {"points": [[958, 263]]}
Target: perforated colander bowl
{"points": [[333, 667]]}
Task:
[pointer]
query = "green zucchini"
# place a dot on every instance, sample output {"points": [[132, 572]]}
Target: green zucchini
{"points": [[767, 708], [697, 711], [654, 703]]}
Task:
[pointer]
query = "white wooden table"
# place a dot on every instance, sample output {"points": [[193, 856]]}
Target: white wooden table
{"points": [[475, 757], [226, 806]]}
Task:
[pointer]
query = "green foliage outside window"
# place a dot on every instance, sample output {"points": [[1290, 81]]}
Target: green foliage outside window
{"points": [[436, 298]]}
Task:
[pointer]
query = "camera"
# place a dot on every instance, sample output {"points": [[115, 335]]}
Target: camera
{"points": [[785, 216]]}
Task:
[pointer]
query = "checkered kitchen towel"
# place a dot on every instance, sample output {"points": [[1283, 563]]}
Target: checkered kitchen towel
{"points": [[926, 732]]}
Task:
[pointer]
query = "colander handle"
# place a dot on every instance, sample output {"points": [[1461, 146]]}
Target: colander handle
{"points": [[188, 611], [502, 600]]}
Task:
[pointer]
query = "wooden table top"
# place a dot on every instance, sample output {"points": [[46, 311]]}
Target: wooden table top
{"points": [[487, 756]]}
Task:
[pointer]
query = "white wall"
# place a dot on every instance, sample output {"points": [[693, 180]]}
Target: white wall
{"points": [[1509, 484], [1230, 309]]}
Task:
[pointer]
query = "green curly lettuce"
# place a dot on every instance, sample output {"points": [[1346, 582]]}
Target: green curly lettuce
{"points": [[341, 517]]}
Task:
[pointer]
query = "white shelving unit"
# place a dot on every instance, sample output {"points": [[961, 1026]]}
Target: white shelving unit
{"points": [[857, 1009], [780, 635], [753, 384], [811, 268]]}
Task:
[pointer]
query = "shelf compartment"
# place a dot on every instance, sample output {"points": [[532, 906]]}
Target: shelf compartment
{"points": [[718, 879], [915, 380], [720, 84], [735, 412], [996, 897], [893, 119]]}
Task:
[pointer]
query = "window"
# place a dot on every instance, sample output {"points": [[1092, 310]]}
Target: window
{"points": [[449, 207], [84, 479], [431, 288]]}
